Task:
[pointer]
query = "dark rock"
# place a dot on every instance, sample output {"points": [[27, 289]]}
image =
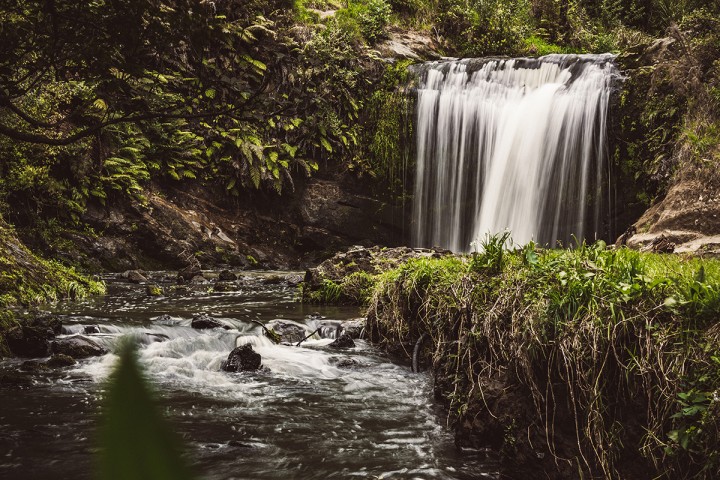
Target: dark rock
{"points": [[166, 319], [343, 341], [347, 363], [76, 347], [198, 280], [273, 280], [203, 321], [353, 328], [91, 329], [227, 276], [32, 337], [289, 332], [188, 273], [153, 290], [60, 360], [224, 287], [135, 276], [242, 359], [34, 366]]}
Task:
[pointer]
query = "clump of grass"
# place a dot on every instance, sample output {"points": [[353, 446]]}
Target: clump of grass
{"points": [[621, 345]]}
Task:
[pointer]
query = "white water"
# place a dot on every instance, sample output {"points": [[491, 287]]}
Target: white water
{"points": [[516, 145], [311, 412]]}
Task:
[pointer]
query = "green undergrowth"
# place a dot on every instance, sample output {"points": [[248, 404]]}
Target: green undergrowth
{"points": [[626, 343], [27, 280]]}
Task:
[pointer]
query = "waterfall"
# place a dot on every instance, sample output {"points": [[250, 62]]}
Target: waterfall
{"points": [[511, 144]]}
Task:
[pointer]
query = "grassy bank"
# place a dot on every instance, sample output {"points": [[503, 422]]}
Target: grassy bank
{"points": [[584, 362], [27, 280]]}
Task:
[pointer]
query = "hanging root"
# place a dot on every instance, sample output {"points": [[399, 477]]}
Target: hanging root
{"points": [[416, 353]]}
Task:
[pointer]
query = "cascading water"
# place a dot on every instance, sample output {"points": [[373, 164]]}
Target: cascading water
{"points": [[517, 145]]}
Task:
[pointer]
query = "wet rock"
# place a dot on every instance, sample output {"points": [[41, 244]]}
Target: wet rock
{"points": [[153, 290], [347, 363], [343, 341], [273, 280], [91, 329], [242, 359], [188, 273], [198, 280], [76, 347], [32, 337], [224, 287], [134, 276], [60, 360], [34, 366], [227, 276], [166, 319], [294, 280], [289, 332], [353, 328], [203, 322]]}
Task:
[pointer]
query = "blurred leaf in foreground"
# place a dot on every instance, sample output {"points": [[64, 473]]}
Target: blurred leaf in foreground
{"points": [[136, 441]]}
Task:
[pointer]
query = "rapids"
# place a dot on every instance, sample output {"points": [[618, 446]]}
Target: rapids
{"points": [[303, 416]]}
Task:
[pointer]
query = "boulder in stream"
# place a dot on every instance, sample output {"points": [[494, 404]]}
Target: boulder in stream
{"points": [[227, 276], [242, 359], [224, 287], [289, 332], [32, 337], [60, 360], [134, 276], [204, 321], [76, 347], [343, 341], [353, 328]]}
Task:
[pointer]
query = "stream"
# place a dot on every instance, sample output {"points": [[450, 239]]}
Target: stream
{"points": [[312, 412]]}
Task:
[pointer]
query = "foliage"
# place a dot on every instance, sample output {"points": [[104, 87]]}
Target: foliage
{"points": [[136, 442], [29, 280], [481, 27], [610, 337]]}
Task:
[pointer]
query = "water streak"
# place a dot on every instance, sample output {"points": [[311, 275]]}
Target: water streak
{"points": [[516, 145]]}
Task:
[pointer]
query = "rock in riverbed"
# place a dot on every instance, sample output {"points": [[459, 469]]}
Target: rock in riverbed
{"points": [[76, 347], [203, 321], [242, 359]]}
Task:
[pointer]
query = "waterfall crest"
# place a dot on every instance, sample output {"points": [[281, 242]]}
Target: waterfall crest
{"points": [[511, 144]]}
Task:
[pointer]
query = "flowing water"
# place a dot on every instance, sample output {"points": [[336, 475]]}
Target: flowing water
{"points": [[302, 416], [511, 144]]}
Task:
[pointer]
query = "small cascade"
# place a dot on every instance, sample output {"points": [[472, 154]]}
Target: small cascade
{"points": [[516, 144]]}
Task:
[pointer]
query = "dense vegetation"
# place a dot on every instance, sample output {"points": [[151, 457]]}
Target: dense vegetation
{"points": [[593, 357], [98, 100]]}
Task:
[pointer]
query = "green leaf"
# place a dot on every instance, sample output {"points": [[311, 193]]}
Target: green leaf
{"points": [[326, 144], [136, 442]]}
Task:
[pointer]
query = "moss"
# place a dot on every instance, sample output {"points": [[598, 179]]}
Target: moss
{"points": [[26, 279]]}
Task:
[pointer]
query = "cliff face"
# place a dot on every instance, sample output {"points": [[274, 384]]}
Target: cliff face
{"points": [[671, 142]]}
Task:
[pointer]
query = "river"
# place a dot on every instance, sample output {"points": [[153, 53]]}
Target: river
{"points": [[312, 412]]}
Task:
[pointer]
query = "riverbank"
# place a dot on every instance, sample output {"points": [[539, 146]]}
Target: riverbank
{"points": [[594, 362]]}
